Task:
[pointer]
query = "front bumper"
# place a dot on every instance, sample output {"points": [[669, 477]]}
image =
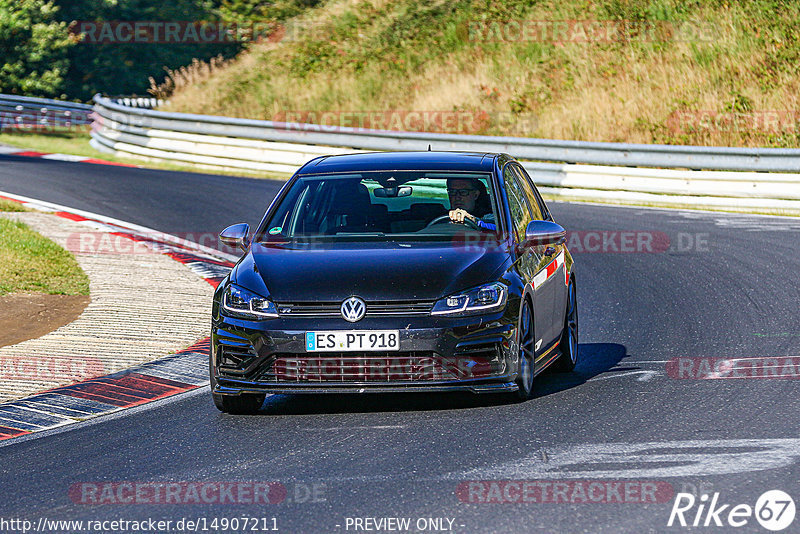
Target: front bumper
{"points": [[475, 354], [240, 388]]}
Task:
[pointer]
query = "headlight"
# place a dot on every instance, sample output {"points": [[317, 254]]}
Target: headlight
{"points": [[481, 299], [244, 303]]}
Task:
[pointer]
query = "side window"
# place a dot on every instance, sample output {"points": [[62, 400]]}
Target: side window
{"points": [[540, 211], [517, 205]]}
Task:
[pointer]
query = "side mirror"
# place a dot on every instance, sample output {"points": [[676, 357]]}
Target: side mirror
{"points": [[236, 236], [544, 233]]}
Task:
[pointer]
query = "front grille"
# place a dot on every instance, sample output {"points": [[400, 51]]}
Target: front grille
{"points": [[378, 367], [375, 308], [360, 367]]}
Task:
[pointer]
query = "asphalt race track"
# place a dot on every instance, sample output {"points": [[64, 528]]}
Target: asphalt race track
{"points": [[715, 286]]}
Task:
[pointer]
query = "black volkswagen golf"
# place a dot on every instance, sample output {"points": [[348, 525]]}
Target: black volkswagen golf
{"points": [[395, 272]]}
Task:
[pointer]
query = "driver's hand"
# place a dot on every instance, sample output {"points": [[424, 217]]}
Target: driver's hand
{"points": [[460, 215]]}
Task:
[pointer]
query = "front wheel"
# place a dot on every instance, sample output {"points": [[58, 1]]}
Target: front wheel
{"points": [[568, 346], [245, 403], [527, 345]]}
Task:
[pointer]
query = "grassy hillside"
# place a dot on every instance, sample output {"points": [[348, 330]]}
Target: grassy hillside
{"points": [[708, 72]]}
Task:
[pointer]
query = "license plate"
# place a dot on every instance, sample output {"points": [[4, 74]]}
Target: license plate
{"points": [[352, 340]]}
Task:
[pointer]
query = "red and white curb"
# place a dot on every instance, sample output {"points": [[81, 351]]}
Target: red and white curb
{"points": [[177, 373], [13, 151]]}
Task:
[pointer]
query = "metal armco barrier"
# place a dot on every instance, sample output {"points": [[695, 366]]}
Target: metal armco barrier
{"points": [[745, 191], [665, 156], [29, 113], [722, 177], [137, 101], [732, 178]]}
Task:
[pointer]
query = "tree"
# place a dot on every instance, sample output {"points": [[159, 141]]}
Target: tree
{"points": [[124, 68], [33, 48]]}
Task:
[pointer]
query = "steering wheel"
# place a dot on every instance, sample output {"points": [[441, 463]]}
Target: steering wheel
{"points": [[443, 218]]}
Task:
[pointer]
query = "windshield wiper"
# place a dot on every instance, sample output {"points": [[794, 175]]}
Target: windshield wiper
{"points": [[358, 234]]}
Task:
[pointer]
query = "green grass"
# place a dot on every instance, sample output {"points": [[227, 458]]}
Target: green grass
{"points": [[717, 56], [77, 143], [32, 263], [10, 205]]}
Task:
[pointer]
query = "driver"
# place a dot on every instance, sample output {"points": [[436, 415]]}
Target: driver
{"points": [[469, 201]]}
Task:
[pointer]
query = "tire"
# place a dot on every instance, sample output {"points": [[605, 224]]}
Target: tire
{"points": [[243, 404], [527, 343], [568, 346]]}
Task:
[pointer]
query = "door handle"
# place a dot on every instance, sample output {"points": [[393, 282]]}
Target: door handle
{"points": [[549, 251]]}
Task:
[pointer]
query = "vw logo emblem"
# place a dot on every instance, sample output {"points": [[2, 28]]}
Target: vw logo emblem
{"points": [[353, 309]]}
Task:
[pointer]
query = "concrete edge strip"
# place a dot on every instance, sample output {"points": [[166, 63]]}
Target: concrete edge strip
{"points": [[64, 157], [148, 382]]}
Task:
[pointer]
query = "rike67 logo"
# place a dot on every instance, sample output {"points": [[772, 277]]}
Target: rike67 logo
{"points": [[774, 510]]}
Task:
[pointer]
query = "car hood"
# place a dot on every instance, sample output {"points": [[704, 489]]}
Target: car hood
{"points": [[373, 271]]}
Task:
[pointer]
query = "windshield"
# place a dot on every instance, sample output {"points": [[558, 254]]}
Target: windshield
{"points": [[407, 205]]}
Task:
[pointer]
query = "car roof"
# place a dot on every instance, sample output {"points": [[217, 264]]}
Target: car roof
{"points": [[401, 161]]}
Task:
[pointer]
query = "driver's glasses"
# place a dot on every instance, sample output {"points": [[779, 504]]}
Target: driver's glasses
{"points": [[460, 192]]}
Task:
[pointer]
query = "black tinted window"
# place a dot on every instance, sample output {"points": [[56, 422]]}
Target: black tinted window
{"points": [[538, 208], [517, 205], [383, 204]]}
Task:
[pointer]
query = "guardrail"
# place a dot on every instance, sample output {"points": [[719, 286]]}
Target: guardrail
{"points": [[665, 156], [137, 101], [22, 112], [592, 170], [766, 179]]}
